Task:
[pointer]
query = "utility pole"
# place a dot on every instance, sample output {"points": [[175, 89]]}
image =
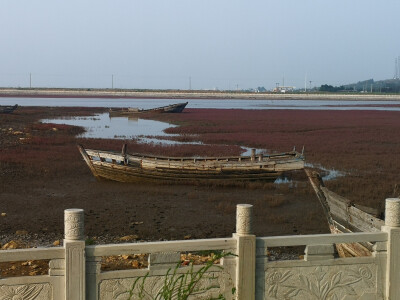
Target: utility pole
{"points": [[310, 83], [305, 83], [398, 68]]}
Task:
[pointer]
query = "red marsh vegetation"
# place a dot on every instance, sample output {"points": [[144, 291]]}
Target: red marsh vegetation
{"points": [[42, 173], [362, 144]]}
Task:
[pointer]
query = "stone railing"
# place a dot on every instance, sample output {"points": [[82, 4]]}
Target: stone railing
{"points": [[75, 269]]}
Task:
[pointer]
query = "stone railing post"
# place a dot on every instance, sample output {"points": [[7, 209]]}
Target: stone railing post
{"points": [[74, 244], [246, 253], [392, 227]]}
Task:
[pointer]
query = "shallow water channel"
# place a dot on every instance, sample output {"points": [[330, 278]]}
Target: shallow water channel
{"points": [[102, 126], [391, 105], [144, 130]]}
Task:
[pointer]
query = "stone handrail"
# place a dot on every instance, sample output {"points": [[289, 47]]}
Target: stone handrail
{"points": [[301, 240], [154, 247], [31, 254]]}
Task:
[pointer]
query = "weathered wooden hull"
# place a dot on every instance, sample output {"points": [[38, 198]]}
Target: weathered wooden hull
{"points": [[128, 174], [345, 217], [133, 168], [173, 108]]}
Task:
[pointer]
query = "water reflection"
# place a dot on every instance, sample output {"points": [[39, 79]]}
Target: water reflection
{"points": [[102, 126], [328, 174], [143, 130]]}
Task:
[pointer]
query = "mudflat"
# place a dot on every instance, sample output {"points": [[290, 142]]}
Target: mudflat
{"points": [[42, 173], [184, 94]]}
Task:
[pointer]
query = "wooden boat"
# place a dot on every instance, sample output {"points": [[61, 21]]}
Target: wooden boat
{"points": [[173, 108], [126, 167], [8, 109], [344, 217]]}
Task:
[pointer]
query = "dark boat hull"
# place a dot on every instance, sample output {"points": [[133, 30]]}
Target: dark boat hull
{"points": [[173, 108], [8, 109]]}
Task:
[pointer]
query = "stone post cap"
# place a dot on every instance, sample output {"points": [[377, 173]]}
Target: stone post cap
{"points": [[392, 212], [244, 205], [74, 224], [73, 210], [244, 219]]}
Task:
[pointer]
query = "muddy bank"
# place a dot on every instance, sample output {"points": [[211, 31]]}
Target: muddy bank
{"points": [[182, 94]]}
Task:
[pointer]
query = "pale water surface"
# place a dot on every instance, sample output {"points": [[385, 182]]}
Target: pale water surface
{"points": [[102, 126], [208, 103], [145, 131]]}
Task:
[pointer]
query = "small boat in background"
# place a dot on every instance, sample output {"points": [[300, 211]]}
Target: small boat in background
{"points": [[8, 109], [173, 108], [124, 167], [345, 217]]}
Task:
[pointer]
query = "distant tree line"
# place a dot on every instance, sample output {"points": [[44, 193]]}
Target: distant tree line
{"points": [[331, 88], [366, 86]]}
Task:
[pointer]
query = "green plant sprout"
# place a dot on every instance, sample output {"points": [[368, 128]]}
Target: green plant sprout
{"points": [[178, 286]]}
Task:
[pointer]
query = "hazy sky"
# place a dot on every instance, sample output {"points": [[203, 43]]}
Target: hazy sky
{"points": [[221, 44]]}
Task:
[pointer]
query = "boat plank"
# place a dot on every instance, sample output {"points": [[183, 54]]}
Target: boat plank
{"points": [[344, 216], [133, 167]]}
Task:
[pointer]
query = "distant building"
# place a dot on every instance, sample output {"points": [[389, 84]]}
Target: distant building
{"points": [[283, 89]]}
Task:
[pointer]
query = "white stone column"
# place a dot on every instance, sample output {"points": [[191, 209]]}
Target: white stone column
{"points": [[392, 227], [74, 244], [246, 253]]}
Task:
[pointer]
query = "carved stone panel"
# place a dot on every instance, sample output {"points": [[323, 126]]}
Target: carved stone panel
{"points": [[210, 286], [321, 282], [42, 291]]}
